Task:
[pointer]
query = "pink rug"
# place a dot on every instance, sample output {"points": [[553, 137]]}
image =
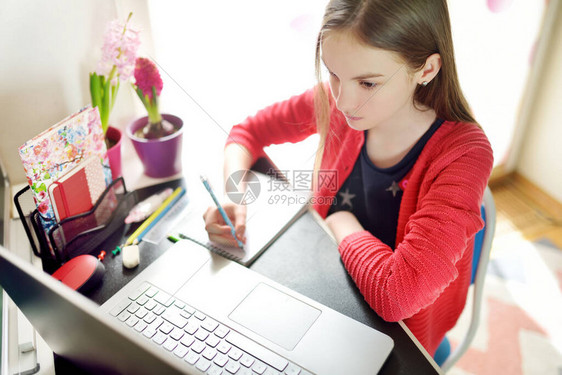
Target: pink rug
{"points": [[520, 330]]}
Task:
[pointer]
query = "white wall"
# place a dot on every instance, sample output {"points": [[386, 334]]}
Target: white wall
{"points": [[47, 50], [540, 160], [223, 60]]}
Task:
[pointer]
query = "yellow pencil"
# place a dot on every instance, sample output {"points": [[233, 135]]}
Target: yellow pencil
{"points": [[154, 215]]}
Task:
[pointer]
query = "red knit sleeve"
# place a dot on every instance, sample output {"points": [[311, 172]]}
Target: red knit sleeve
{"points": [[398, 284], [291, 120]]}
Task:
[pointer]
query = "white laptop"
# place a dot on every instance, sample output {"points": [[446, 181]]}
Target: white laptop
{"points": [[192, 311]]}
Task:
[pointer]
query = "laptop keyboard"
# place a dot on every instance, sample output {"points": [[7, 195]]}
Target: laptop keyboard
{"points": [[210, 346]]}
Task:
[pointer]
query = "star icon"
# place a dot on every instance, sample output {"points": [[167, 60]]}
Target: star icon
{"points": [[347, 197], [394, 188]]}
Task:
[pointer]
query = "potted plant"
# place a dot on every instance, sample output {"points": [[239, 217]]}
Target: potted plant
{"points": [[157, 138], [119, 52]]}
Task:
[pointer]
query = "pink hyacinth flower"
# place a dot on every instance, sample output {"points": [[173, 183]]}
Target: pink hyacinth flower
{"points": [[120, 46], [146, 76], [497, 6]]}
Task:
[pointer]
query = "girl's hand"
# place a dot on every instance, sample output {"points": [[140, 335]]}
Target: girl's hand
{"points": [[217, 228], [342, 224]]}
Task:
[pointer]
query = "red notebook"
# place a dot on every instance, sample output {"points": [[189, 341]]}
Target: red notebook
{"points": [[78, 190]]}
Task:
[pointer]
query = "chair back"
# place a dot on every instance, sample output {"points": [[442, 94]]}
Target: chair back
{"points": [[480, 259], [478, 241]]}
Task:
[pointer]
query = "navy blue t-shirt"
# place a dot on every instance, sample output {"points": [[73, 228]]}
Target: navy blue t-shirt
{"points": [[373, 195]]}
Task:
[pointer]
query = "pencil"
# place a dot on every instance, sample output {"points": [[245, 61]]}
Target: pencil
{"points": [[160, 215], [221, 211], [154, 217]]}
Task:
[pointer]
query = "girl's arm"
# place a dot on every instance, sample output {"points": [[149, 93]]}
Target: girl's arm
{"points": [[236, 158], [288, 121], [398, 283], [292, 120], [342, 224]]}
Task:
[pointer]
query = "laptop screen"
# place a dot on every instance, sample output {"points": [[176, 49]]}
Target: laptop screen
{"points": [[4, 204], [4, 212], [84, 334]]}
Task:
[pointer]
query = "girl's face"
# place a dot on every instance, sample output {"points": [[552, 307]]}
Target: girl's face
{"points": [[371, 87]]}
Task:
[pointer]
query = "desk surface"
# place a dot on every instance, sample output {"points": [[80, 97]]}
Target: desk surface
{"points": [[305, 259]]}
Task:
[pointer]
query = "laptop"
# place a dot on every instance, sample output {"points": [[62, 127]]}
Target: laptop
{"points": [[191, 312]]}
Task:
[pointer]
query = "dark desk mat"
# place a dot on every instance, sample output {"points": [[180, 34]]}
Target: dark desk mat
{"points": [[306, 260]]}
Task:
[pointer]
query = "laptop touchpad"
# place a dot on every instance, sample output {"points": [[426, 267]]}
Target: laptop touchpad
{"points": [[275, 316]]}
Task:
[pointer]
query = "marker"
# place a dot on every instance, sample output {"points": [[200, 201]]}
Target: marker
{"points": [[221, 211], [156, 215]]}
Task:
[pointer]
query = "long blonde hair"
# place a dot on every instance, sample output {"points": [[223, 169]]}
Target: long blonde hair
{"points": [[413, 29]]}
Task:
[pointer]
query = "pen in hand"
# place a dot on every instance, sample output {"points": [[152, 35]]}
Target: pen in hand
{"points": [[221, 211]]}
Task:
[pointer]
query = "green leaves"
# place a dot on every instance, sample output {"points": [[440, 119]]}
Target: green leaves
{"points": [[145, 101], [95, 89], [151, 105], [153, 112], [103, 95]]}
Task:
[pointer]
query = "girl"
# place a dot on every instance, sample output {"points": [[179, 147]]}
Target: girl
{"points": [[411, 162]]}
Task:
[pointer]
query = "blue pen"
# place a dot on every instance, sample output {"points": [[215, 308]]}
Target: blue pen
{"points": [[221, 210]]}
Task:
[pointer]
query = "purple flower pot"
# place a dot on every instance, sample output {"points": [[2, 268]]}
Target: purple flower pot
{"points": [[160, 157]]}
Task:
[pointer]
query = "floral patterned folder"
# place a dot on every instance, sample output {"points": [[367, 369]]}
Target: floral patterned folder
{"points": [[57, 150]]}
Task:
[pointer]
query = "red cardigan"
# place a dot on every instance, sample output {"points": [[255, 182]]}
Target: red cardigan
{"points": [[424, 280]]}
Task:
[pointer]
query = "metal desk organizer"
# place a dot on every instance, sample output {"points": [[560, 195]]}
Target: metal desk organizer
{"points": [[75, 235]]}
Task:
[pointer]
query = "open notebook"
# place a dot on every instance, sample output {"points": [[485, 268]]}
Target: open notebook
{"points": [[273, 207]]}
